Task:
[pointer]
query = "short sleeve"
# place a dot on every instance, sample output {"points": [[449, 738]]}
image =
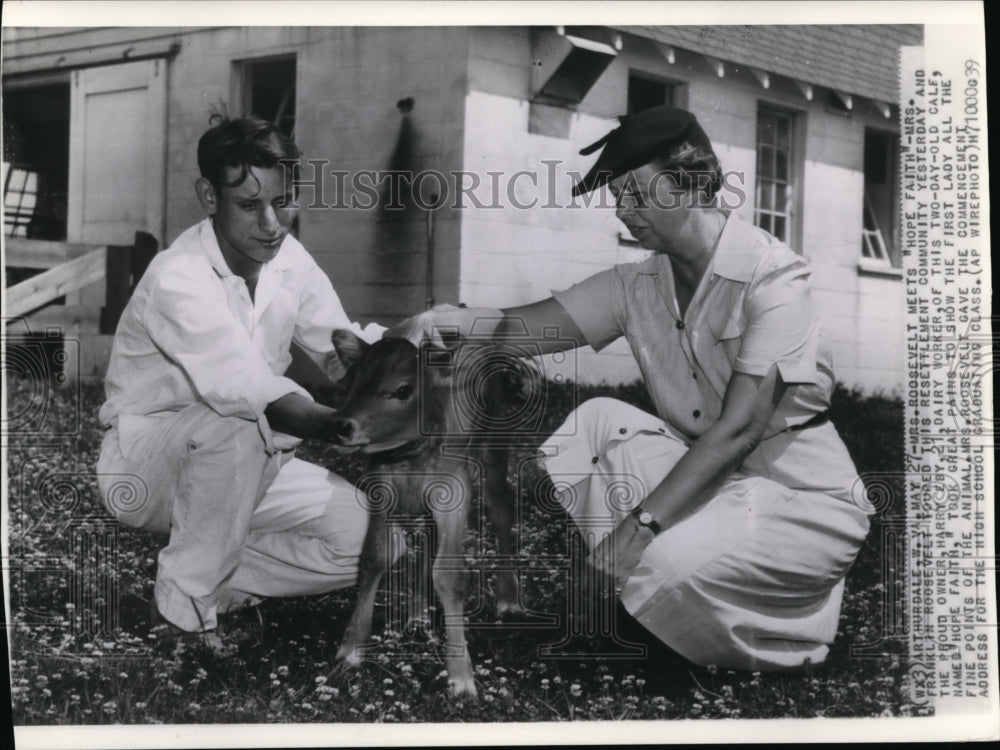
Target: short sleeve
{"points": [[597, 306], [782, 327]]}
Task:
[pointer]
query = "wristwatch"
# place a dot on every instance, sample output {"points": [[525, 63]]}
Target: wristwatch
{"points": [[645, 518]]}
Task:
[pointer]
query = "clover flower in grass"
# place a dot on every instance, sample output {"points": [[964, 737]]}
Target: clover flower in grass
{"points": [[283, 671], [110, 708], [575, 690]]}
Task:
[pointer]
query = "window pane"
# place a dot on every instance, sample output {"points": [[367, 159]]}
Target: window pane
{"points": [[272, 92], [779, 228], [783, 130], [644, 93], [781, 165], [765, 162], [766, 202]]}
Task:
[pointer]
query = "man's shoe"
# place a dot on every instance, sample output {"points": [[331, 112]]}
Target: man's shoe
{"points": [[168, 635]]}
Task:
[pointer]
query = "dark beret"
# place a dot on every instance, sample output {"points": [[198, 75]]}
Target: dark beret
{"points": [[637, 140]]}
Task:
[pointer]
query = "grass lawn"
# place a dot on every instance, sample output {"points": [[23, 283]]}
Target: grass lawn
{"points": [[69, 668]]}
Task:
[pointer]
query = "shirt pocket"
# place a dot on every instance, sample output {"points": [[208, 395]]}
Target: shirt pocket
{"points": [[726, 323]]}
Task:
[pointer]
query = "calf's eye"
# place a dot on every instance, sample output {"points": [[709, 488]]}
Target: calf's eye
{"points": [[403, 392]]}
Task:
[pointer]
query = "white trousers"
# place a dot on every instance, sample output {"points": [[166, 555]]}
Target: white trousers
{"points": [[751, 580], [242, 523]]}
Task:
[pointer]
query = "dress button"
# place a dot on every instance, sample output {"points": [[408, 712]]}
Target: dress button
{"points": [[697, 413], [680, 325], [694, 375], [622, 431], [595, 459]]}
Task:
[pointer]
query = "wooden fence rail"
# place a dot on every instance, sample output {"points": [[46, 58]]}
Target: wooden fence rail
{"points": [[95, 284], [24, 253], [56, 282]]}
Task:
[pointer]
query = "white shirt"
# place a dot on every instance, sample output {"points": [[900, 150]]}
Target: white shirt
{"points": [[753, 309], [191, 334]]}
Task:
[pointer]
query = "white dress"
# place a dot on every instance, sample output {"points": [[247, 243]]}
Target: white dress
{"points": [[754, 578]]}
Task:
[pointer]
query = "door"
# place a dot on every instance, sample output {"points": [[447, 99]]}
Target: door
{"points": [[116, 172]]}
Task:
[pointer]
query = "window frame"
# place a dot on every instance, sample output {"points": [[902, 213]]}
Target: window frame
{"points": [[676, 89], [891, 242], [794, 169], [241, 86]]}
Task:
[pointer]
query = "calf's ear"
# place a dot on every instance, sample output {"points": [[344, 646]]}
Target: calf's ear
{"points": [[347, 349]]}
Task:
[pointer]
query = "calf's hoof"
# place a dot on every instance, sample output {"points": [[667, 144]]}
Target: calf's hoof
{"points": [[508, 597], [348, 658], [463, 688], [510, 608]]}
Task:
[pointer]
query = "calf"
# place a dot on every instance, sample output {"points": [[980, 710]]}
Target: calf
{"points": [[403, 412]]}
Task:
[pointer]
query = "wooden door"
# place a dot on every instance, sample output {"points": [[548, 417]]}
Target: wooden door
{"points": [[116, 171]]}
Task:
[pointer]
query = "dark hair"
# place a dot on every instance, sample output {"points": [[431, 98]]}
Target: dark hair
{"points": [[241, 143], [692, 167]]}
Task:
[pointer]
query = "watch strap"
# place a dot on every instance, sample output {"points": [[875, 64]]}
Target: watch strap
{"points": [[645, 518]]}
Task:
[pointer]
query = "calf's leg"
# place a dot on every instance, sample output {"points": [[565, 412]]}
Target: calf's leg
{"points": [[376, 557], [449, 580], [500, 501]]}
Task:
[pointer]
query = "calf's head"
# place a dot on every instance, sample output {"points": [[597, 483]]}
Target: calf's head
{"points": [[382, 408]]}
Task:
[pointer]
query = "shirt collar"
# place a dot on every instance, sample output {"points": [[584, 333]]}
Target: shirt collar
{"points": [[731, 260], [210, 243]]}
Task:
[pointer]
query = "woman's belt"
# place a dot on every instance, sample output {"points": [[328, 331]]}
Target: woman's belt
{"points": [[814, 421]]}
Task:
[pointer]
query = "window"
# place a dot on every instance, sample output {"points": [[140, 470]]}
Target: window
{"points": [[267, 90], [36, 161], [20, 192], [775, 172], [879, 232], [645, 93]]}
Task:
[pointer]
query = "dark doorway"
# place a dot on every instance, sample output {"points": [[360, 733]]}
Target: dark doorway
{"points": [[36, 161]]}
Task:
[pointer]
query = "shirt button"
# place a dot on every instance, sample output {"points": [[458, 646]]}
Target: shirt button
{"points": [[680, 325], [697, 413], [595, 459]]}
